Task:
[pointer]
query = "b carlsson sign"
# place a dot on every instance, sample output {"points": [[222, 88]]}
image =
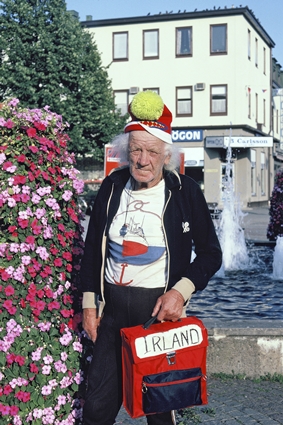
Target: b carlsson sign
{"points": [[238, 142]]}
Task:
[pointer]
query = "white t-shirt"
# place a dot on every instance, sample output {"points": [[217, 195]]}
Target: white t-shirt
{"points": [[137, 250]]}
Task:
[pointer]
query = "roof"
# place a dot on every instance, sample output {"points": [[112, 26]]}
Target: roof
{"points": [[247, 13]]}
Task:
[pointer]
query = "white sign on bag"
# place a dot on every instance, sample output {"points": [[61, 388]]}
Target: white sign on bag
{"points": [[171, 340]]}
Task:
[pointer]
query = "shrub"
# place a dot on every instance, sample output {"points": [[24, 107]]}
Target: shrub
{"points": [[275, 226], [40, 251]]}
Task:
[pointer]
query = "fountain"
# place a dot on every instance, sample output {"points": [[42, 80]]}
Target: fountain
{"points": [[246, 287], [278, 259], [230, 233]]}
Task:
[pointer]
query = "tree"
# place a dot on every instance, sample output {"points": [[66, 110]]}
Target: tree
{"points": [[275, 226], [47, 58]]}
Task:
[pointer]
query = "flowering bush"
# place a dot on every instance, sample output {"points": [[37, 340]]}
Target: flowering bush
{"points": [[275, 226], [40, 251]]}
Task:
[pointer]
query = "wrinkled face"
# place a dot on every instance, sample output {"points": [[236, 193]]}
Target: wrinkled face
{"points": [[147, 156]]}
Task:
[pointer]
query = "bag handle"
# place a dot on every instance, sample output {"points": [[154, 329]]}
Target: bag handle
{"points": [[150, 322], [147, 324]]}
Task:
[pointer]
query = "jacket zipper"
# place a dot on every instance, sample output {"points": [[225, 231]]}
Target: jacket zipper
{"points": [[166, 241]]}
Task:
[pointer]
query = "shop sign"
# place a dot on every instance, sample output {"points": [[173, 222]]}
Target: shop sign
{"points": [[238, 142], [187, 135], [214, 142], [248, 142]]}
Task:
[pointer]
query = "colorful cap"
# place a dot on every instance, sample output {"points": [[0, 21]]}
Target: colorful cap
{"points": [[149, 113]]}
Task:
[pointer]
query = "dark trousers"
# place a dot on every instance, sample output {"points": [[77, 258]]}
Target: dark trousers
{"points": [[125, 306]]}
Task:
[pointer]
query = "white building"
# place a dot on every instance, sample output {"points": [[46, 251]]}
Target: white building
{"points": [[213, 70]]}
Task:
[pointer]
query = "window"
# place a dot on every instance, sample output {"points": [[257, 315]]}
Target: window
{"points": [[155, 89], [120, 46], [253, 171], [256, 52], [264, 112], [264, 61], [184, 101], [256, 107], [262, 172], [184, 41], [121, 100], [218, 39], [218, 100], [249, 44], [249, 102], [150, 44]]}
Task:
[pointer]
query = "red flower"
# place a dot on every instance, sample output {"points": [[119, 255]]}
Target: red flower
{"points": [[9, 290], [5, 276], [14, 410], [54, 251], [34, 149], [11, 229], [10, 358], [23, 223], [31, 132], [69, 268], [67, 256], [39, 126], [7, 389], [21, 158], [19, 180], [58, 262], [25, 198], [54, 305], [67, 313], [20, 360], [33, 368], [30, 240], [7, 165]]}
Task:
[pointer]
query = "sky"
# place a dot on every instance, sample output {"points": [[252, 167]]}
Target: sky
{"points": [[269, 13]]}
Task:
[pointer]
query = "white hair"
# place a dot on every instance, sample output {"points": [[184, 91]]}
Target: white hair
{"points": [[120, 146]]}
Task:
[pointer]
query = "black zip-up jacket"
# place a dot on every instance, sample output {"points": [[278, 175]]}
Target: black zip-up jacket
{"points": [[186, 222]]}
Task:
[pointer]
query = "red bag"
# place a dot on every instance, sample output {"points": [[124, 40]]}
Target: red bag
{"points": [[164, 366]]}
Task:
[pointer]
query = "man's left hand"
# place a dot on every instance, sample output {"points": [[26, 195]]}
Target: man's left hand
{"points": [[169, 306]]}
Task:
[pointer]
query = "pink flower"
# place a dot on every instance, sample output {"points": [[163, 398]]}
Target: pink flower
{"points": [[9, 123]]}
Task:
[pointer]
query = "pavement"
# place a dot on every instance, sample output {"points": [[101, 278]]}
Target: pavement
{"points": [[235, 400], [231, 401]]}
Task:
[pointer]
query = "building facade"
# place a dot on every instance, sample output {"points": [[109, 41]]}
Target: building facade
{"points": [[214, 70]]}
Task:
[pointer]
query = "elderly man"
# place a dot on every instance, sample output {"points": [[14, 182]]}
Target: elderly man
{"points": [[137, 260]]}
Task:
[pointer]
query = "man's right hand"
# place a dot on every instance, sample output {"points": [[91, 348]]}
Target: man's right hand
{"points": [[91, 322]]}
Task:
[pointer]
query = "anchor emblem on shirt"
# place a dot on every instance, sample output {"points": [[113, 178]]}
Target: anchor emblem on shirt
{"points": [[123, 265]]}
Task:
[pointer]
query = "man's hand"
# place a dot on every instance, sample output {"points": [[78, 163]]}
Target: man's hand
{"points": [[169, 306], [90, 322]]}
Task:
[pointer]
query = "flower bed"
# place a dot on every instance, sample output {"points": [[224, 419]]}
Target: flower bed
{"points": [[40, 250]]}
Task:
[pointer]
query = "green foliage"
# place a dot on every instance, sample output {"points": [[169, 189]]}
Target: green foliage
{"points": [[47, 58]]}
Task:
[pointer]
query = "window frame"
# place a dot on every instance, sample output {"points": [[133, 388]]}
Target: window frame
{"points": [[249, 44], [190, 53], [213, 114], [126, 91], [216, 53], [145, 57], [178, 114], [154, 89], [120, 59]]}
